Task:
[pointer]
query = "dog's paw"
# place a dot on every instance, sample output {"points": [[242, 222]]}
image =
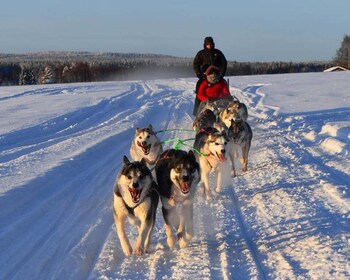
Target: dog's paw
{"points": [[138, 252], [127, 252], [188, 236], [146, 250], [171, 242], [217, 189], [183, 242], [209, 196], [233, 174]]}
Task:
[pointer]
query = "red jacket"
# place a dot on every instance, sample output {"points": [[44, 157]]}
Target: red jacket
{"points": [[207, 91]]}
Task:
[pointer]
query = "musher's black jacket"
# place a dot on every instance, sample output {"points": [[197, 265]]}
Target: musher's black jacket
{"points": [[205, 58]]}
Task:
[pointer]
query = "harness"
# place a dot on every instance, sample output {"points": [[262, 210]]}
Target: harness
{"points": [[166, 155], [208, 157]]}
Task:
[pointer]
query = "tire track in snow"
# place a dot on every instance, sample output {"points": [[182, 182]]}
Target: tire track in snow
{"points": [[310, 217], [64, 208], [212, 236], [67, 144], [305, 157], [253, 252], [65, 126]]}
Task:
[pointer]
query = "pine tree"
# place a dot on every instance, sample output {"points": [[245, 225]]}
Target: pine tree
{"points": [[27, 76], [342, 57], [66, 74]]}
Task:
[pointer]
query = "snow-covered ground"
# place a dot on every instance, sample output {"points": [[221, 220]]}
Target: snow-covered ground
{"points": [[288, 217]]}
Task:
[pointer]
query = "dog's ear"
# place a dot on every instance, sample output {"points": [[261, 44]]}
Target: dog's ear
{"points": [[143, 161], [191, 155], [150, 127], [137, 131], [126, 161], [225, 135]]}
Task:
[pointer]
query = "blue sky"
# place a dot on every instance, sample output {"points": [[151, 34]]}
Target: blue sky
{"points": [[245, 30]]}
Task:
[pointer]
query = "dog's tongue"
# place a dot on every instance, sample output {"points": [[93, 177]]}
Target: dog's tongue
{"points": [[185, 187], [144, 148], [221, 157], [135, 195]]}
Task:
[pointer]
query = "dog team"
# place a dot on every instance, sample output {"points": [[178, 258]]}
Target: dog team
{"points": [[222, 134]]}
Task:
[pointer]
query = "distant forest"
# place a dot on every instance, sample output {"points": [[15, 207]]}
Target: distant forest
{"points": [[71, 67]]}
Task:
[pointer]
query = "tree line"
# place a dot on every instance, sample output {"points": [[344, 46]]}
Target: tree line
{"points": [[69, 67]]}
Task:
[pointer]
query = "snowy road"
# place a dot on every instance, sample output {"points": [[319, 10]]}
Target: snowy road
{"points": [[288, 217]]}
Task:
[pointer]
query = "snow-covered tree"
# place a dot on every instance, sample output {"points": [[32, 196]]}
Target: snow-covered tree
{"points": [[46, 76], [342, 57], [27, 76], [66, 74]]}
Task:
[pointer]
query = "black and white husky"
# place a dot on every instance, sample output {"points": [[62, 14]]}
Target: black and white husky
{"points": [[212, 146], [178, 175], [136, 198], [204, 119], [146, 144]]}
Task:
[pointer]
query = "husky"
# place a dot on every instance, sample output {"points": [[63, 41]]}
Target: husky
{"points": [[135, 198], [234, 109], [240, 135], [146, 144], [215, 105], [212, 145], [240, 108], [227, 115], [205, 119], [178, 175]]}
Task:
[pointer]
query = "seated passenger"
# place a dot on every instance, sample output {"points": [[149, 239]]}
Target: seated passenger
{"points": [[213, 87]]}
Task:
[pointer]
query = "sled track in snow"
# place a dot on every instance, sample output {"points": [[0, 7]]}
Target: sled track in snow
{"points": [[247, 238], [308, 158]]}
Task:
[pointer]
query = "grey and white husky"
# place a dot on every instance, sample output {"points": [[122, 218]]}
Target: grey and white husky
{"points": [[146, 145], [212, 146], [234, 110], [240, 135], [135, 198], [178, 175]]}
